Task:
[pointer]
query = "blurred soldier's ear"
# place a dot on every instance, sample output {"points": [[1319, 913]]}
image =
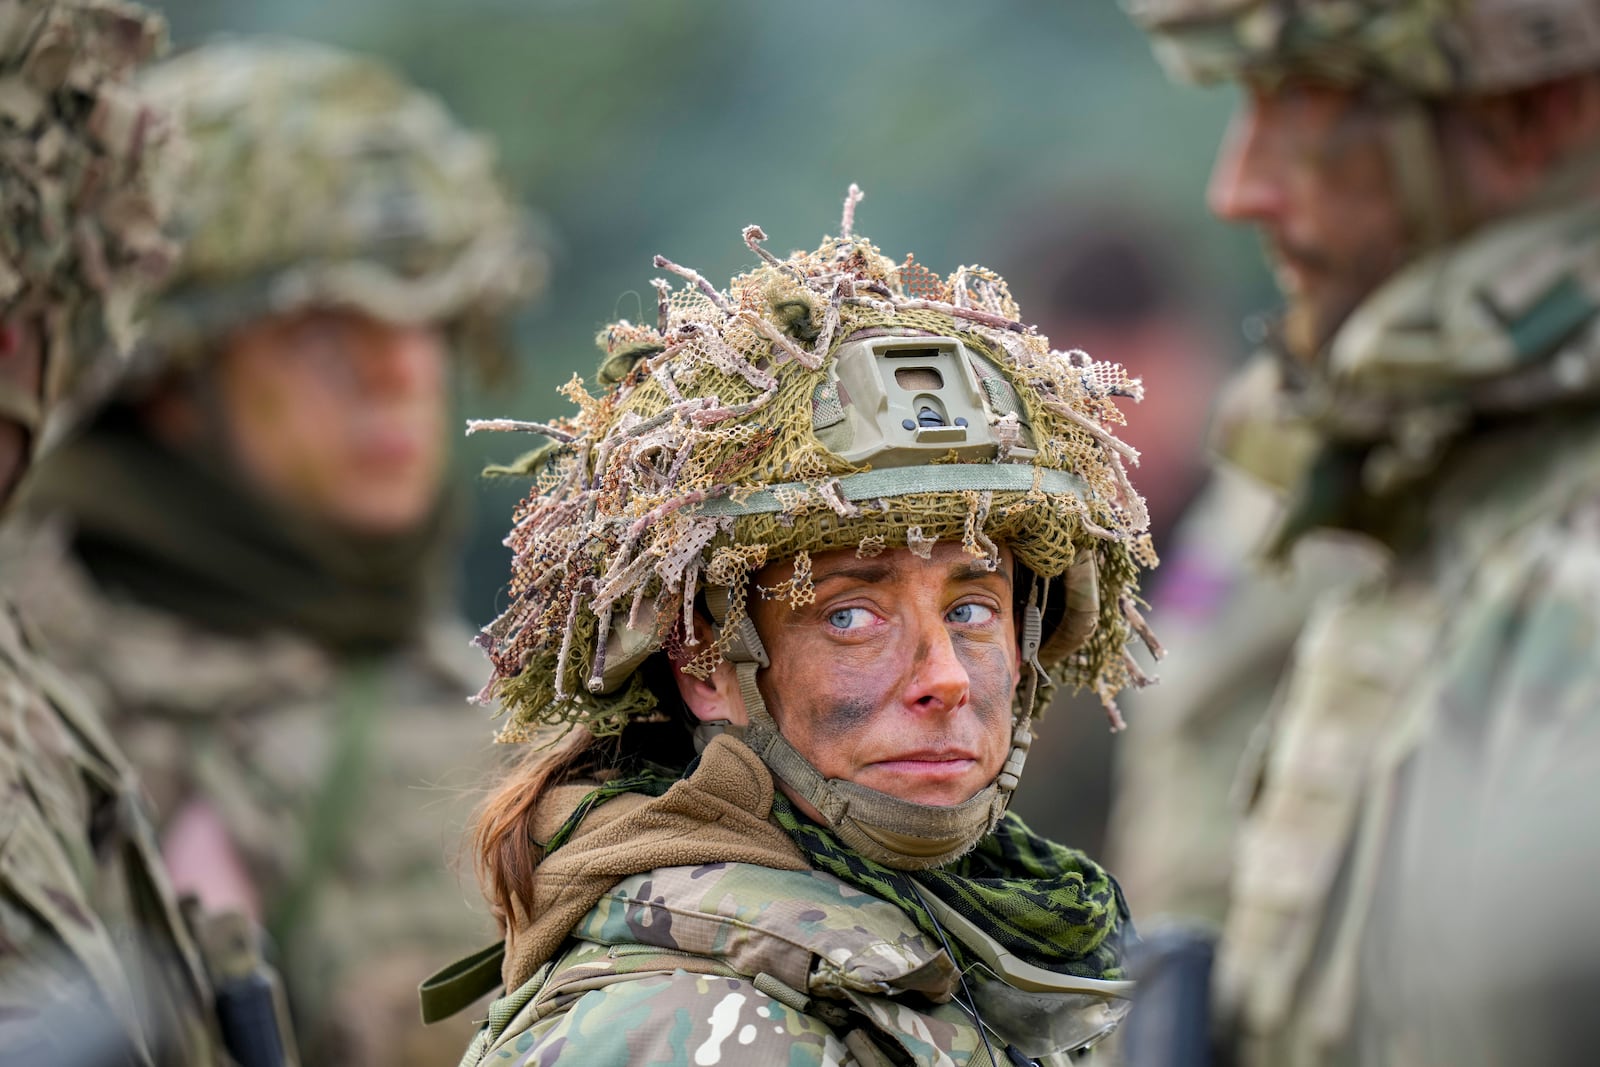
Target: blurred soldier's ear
{"points": [[1505, 145], [716, 697]]}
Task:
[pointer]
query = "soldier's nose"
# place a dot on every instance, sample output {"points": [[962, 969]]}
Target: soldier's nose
{"points": [[1245, 184], [939, 680]]}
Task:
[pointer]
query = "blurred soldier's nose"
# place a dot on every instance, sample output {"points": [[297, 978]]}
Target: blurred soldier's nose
{"points": [[1245, 180], [387, 359]]}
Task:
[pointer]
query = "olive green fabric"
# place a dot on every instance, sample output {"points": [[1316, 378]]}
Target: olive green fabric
{"points": [[1230, 626], [178, 533], [95, 959], [96, 963], [345, 783]]}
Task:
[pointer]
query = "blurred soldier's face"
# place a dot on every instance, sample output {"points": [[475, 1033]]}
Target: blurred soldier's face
{"points": [[22, 371], [1308, 167], [339, 416], [898, 676]]}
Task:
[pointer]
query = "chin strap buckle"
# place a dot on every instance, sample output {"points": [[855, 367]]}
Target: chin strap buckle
{"points": [[706, 732], [1011, 773]]}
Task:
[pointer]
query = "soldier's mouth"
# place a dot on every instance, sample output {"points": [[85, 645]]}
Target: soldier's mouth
{"points": [[927, 765]]}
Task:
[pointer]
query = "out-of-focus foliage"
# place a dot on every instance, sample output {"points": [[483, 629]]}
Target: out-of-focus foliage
{"points": [[644, 126]]}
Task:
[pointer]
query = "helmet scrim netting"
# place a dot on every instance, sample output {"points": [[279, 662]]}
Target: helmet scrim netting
{"points": [[719, 401]]}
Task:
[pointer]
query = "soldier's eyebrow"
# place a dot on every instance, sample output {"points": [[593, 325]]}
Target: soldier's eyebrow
{"points": [[868, 571], [976, 571]]}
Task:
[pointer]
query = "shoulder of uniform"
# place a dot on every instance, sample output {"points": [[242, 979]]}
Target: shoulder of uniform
{"points": [[1525, 498], [57, 948], [660, 1015], [1514, 294], [805, 928]]}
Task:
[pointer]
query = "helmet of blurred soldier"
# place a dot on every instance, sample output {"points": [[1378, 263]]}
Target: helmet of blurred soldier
{"points": [[84, 177], [1431, 48], [321, 179]]}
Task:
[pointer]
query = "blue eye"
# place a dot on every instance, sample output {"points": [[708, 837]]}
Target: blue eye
{"points": [[848, 618], [970, 614]]}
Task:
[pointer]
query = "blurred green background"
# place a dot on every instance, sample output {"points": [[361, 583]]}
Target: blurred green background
{"points": [[642, 126], [1017, 134]]}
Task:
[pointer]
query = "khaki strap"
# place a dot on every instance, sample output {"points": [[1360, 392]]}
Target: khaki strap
{"points": [[1408, 131], [339, 794], [902, 481], [459, 985], [21, 407], [897, 833]]}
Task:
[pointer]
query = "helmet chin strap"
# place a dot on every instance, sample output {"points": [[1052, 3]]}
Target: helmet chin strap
{"points": [[1426, 197], [896, 833]]}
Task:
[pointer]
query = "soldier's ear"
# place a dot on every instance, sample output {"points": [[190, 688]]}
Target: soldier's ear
{"points": [[715, 698]]}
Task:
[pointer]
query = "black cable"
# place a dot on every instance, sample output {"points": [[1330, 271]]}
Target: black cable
{"points": [[971, 1003]]}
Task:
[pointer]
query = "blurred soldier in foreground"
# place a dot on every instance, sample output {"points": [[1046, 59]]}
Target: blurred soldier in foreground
{"points": [[96, 964], [246, 553], [838, 527], [1408, 888]]}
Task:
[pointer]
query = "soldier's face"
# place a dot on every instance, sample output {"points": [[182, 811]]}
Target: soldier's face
{"points": [[1308, 167], [900, 674], [339, 416]]}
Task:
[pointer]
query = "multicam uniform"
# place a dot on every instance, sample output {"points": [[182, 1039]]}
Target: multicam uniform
{"points": [[735, 950], [833, 400], [308, 687], [1230, 625], [344, 781], [1406, 882], [96, 963]]}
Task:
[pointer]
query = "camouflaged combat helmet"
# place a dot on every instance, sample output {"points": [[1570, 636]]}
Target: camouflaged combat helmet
{"points": [[321, 178], [1429, 48], [82, 185], [831, 400]]}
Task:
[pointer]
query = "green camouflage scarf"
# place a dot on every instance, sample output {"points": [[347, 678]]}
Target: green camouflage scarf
{"points": [[1049, 905]]}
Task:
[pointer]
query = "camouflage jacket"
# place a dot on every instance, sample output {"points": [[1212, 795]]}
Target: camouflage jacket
{"points": [[736, 963], [1229, 623], [1407, 884], [96, 963], [346, 787]]}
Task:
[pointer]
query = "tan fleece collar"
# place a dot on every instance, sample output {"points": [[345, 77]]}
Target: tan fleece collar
{"points": [[719, 814]]}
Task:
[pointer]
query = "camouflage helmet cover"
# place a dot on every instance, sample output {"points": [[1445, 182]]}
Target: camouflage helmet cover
{"points": [[321, 178], [1429, 48], [832, 400], [83, 182]]}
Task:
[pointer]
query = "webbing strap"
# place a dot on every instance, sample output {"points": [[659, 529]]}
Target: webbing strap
{"points": [[458, 985], [1414, 154], [745, 671], [339, 795], [902, 481], [21, 407]]}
